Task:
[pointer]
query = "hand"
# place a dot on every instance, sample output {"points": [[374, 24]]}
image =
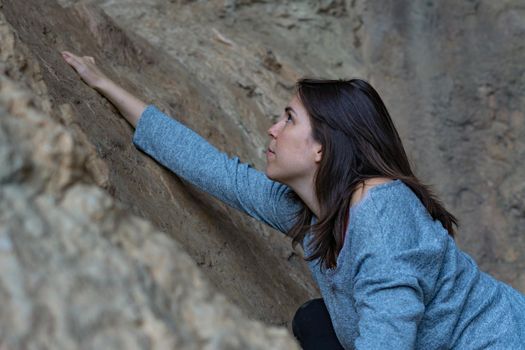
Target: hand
{"points": [[85, 67]]}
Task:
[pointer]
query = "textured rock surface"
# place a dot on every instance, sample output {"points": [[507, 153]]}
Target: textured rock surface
{"points": [[252, 265], [76, 265], [77, 270]]}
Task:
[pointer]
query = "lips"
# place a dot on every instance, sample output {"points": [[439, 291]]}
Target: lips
{"points": [[270, 151]]}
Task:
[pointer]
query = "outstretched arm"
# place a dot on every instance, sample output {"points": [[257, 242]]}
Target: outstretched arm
{"points": [[190, 156]]}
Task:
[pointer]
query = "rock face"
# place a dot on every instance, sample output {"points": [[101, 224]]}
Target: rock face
{"points": [[101, 247], [77, 269]]}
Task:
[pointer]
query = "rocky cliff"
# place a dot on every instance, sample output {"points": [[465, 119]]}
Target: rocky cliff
{"points": [[101, 247]]}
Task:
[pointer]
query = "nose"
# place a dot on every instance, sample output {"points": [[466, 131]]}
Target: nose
{"points": [[273, 131]]}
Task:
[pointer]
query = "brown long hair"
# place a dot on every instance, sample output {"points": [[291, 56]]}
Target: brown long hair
{"points": [[359, 141]]}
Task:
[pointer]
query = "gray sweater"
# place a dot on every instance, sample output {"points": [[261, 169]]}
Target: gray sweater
{"points": [[400, 282]]}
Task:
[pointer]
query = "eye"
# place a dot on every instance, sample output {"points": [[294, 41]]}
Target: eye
{"points": [[289, 117]]}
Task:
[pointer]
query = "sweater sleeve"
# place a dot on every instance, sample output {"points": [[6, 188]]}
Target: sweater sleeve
{"points": [[194, 159], [397, 265], [389, 308]]}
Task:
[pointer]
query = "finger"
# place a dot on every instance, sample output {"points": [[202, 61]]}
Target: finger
{"points": [[72, 56], [91, 59], [67, 57], [68, 54], [72, 59]]}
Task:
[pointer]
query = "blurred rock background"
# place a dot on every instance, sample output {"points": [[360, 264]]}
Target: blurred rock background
{"points": [[101, 247]]}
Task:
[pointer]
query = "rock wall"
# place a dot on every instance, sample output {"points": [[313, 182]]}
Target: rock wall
{"points": [[78, 270], [80, 265]]}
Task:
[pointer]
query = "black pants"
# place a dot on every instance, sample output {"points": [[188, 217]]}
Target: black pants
{"points": [[313, 328]]}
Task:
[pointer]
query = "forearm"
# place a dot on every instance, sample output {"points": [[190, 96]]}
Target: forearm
{"points": [[128, 105]]}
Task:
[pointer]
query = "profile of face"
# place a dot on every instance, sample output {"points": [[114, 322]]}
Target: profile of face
{"points": [[293, 155]]}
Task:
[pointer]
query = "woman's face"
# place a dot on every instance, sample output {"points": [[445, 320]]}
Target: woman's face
{"points": [[292, 155]]}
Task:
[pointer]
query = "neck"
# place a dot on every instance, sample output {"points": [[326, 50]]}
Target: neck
{"points": [[305, 189]]}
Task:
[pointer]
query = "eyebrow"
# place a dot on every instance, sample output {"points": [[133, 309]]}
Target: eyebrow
{"points": [[288, 108]]}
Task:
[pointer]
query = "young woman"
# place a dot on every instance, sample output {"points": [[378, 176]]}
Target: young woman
{"points": [[378, 242]]}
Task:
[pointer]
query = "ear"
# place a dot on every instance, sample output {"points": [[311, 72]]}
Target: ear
{"points": [[318, 153]]}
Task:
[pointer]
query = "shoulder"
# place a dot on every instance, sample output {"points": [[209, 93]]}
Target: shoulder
{"points": [[395, 200], [393, 215]]}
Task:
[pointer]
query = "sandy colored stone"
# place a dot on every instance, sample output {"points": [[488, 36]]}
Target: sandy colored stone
{"points": [[77, 252]]}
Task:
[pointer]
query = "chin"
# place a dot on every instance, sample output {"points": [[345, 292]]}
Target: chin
{"points": [[270, 175], [275, 178]]}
